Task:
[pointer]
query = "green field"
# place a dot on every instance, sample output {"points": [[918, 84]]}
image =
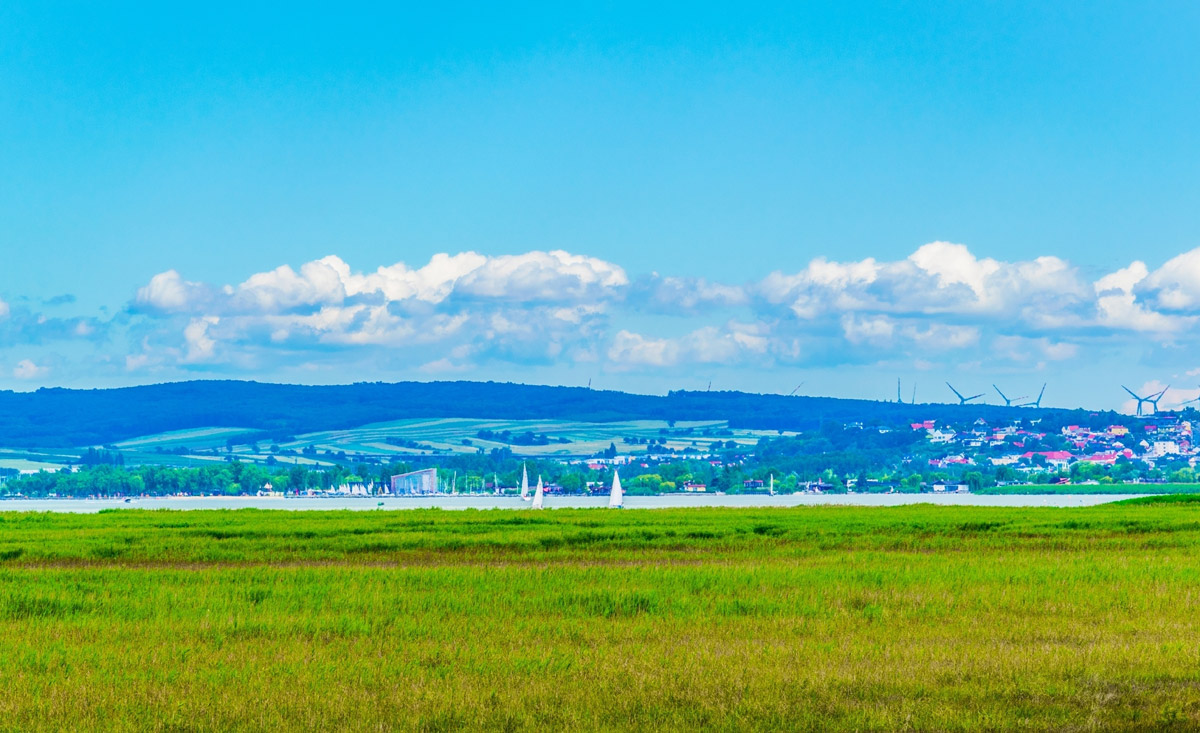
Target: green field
{"points": [[811, 618], [446, 435], [398, 439]]}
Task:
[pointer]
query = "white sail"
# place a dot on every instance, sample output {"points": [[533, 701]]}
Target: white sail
{"points": [[524, 482], [538, 495], [616, 498], [771, 487]]}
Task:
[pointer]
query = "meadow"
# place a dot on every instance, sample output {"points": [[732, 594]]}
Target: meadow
{"points": [[812, 618]]}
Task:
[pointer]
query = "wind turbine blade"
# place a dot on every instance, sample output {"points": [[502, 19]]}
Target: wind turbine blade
{"points": [[1130, 391]]}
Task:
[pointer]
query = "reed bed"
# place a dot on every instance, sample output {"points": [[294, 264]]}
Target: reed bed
{"points": [[812, 618]]}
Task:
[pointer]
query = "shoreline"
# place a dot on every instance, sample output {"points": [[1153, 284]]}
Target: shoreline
{"points": [[667, 501]]}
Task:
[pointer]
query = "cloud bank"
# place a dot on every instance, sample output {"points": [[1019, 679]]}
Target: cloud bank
{"points": [[466, 313]]}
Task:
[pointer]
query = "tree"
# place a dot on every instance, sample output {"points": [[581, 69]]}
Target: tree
{"points": [[973, 480]]}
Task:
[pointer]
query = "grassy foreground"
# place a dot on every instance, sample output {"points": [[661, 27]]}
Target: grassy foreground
{"points": [[808, 618]]}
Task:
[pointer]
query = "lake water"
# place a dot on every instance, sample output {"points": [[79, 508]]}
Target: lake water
{"points": [[574, 502]]}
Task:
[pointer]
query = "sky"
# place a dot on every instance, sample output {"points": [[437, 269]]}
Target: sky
{"points": [[819, 199]]}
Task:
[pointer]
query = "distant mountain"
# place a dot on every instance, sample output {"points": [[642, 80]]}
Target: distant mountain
{"points": [[54, 418]]}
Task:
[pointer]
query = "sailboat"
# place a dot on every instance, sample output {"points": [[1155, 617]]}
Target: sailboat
{"points": [[771, 486], [616, 498], [537, 495], [524, 483]]}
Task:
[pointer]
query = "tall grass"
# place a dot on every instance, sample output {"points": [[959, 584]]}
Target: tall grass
{"points": [[808, 618]]}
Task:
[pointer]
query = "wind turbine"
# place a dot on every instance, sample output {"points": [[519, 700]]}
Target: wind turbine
{"points": [[1188, 402], [1152, 399], [1007, 401], [797, 389], [963, 400], [1038, 401]]}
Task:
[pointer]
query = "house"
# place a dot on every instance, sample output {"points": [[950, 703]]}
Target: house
{"points": [[693, 487], [1056, 458], [1162, 448], [941, 436], [945, 488]]}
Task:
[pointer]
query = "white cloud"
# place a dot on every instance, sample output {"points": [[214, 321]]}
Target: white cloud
{"points": [[1023, 350], [939, 278], [707, 345], [1176, 285], [631, 349], [940, 304], [687, 294], [551, 277], [169, 292], [200, 344], [556, 276], [321, 282], [3, 309], [873, 330], [1117, 305], [27, 369], [941, 337]]}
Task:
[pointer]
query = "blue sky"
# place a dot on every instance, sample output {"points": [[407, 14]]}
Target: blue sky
{"points": [[839, 194]]}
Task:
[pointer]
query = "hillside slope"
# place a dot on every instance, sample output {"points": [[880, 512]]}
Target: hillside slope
{"points": [[64, 417]]}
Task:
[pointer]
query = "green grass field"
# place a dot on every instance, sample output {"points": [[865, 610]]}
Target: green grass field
{"points": [[936, 618], [440, 436], [447, 434]]}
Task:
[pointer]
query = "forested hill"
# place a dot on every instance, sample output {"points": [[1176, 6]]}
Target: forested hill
{"points": [[65, 417]]}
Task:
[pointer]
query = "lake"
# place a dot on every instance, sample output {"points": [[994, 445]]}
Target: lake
{"points": [[552, 502]]}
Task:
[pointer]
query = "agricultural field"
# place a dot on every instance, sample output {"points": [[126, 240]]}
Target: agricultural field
{"points": [[395, 440], [436, 436], [817, 618], [566, 438]]}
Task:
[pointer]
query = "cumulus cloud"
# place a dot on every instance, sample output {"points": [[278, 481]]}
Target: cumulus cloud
{"points": [[938, 278], [1117, 304], [21, 325], [170, 293], [1174, 286], [543, 277], [536, 306], [941, 304], [685, 295], [27, 369], [708, 345], [200, 344]]}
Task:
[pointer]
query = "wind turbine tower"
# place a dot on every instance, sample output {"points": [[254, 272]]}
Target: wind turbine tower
{"points": [[1008, 402], [961, 399], [1149, 399], [1038, 401]]}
